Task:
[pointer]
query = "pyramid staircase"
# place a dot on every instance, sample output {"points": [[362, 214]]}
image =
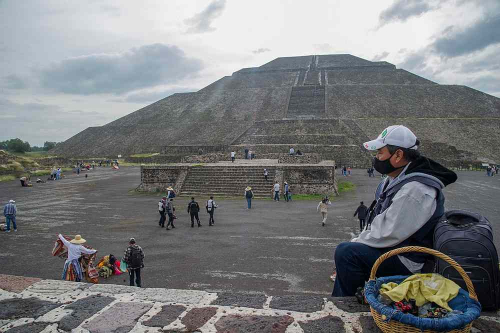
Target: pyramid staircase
{"points": [[228, 181]]}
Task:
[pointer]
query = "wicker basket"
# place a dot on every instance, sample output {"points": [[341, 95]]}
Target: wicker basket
{"points": [[394, 326]]}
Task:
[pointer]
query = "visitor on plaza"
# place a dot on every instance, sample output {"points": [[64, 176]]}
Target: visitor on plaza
{"points": [[349, 171], [266, 174], [292, 151], [211, 205], [409, 203], [287, 191], [323, 209], [170, 208], [361, 211], [170, 192], [193, 209], [162, 207], [10, 212], [134, 258], [276, 189], [233, 155], [73, 270], [249, 196]]}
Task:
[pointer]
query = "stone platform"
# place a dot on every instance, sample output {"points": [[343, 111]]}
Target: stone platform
{"points": [[36, 305]]}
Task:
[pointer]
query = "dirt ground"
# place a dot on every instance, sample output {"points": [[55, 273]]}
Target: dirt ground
{"points": [[276, 247]]}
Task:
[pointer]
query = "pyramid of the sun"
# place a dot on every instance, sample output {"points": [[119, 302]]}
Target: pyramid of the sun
{"points": [[329, 104]]}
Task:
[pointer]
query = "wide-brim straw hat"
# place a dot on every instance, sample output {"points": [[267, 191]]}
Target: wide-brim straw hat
{"points": [[248, 188], [77, 240]]}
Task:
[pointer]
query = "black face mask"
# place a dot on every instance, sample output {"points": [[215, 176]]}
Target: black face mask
{"points": [[384, 167]]}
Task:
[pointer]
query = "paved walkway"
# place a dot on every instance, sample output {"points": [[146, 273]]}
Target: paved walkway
{"points": [[34, 305]]}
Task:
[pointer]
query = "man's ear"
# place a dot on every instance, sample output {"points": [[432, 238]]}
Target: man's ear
{"points": [[399, 155]]}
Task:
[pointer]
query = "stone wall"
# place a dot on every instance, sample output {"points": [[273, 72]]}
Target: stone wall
{"points": [[158, 178], [302, 179], [300, 159]]}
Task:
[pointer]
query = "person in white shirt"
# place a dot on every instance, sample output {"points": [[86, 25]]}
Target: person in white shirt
{"points": [[276, 192], [266, 174], [211, 205], [323, 208], [72, 268], [233, 154]]}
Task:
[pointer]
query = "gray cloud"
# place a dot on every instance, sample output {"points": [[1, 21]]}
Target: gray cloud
{"points": [[475, 38], [150, 97], [380, 56], [34, 122], [415, 61], [402, 10], [14, 82], [138, 68], [489, 83], [201, 22], [261, 50]]}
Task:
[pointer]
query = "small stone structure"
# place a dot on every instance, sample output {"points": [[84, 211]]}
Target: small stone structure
{"points": [[230, 180]]}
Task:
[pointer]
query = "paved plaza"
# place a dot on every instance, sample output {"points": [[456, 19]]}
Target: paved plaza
{"points": [[277, 248], [263, 270]]}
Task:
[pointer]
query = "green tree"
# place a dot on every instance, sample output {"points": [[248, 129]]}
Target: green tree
{"points": [[48, 145], [17, 145]]}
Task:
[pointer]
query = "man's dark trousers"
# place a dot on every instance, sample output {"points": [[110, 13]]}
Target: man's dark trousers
{"points": [[354, 262], [211, 220], [193, 216], [170, 220], [162, 219], [276, 195], [137, 272], [361, 224]]}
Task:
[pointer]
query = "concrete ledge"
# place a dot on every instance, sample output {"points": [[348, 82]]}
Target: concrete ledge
{"points": [[35, 305]]}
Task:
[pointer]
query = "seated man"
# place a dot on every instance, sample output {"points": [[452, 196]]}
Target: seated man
{"points": [[409, 203]]}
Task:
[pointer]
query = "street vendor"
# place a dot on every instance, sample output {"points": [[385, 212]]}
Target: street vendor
{"points": [[72, 267], [409, 203]]}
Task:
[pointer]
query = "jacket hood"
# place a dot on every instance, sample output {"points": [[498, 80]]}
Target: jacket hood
{"points": [[429, 167]]}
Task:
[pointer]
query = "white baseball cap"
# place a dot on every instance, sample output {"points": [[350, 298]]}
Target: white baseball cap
{"points": [[395, 135]]}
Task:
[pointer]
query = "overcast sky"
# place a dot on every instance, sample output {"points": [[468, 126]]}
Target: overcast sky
{"points": [[67, 65]]}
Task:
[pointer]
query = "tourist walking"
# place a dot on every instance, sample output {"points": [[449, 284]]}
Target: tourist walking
{"points": [[193, 209], [233, 155], [292, 151], [276, 189], [170, 192], [134, 258], [211, 205], [249, 196], [349, 171], [287, 189], [266, 174], [10, 212], [323, 209], [73, 270], [361, 211], [170, 212], [162, 208]]}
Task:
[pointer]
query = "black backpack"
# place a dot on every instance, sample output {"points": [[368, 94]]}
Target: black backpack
{"points": [[467, 238], [135, 258], [249, 195]]}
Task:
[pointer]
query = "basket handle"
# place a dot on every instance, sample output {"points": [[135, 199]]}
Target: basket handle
{"points": [[460, 270]]}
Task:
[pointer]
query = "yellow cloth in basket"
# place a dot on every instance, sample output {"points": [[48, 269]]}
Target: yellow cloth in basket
{"points": [[423, 288]]}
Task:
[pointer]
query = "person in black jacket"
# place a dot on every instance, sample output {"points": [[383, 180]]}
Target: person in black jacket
{"points": [[362, 211], [134, 258], [193, 209]]}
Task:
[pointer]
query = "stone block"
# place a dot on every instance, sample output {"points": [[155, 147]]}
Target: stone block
{"points": [[82, 309], [166, 316], [25, 308], [328, 324], [121, 317], [197, 317], [253, 324], [297, 303], [170, 295], [242, 300], [349, 304]]}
